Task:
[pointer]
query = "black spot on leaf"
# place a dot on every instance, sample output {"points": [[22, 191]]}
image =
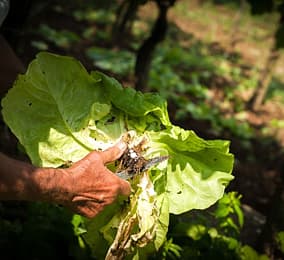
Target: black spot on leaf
{"points": [[110, 120]]}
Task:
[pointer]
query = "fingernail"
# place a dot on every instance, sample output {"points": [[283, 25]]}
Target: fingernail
{"points": [[121, 145]]}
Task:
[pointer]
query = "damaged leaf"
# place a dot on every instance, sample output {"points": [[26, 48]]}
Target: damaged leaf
{"points": [[60, 112]]}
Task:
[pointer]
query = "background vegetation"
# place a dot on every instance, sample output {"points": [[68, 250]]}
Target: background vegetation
{"points": [[219, 64]]}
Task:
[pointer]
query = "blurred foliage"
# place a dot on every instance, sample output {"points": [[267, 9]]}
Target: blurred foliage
{"points": [[118, 61], [40, 45], [180, 74], [185, 71], [37, 231], [280, 240], [276, 90], [92, 15], [170, 250], [63, 38], [45, 231], [212, 234]]}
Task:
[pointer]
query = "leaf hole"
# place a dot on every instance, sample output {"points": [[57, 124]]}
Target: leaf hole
{"points": [[110, 120]]}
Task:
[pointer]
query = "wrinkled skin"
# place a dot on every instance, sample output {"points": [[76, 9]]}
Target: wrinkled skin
{"points": [[86, 187], [92, 185]]}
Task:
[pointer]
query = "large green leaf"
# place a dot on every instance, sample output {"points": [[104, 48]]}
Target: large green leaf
{"points": [[134, 102], [49, 109], [59, 112], [197, 171]]}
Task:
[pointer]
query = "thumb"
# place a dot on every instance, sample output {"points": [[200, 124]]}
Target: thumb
{"points": [[114, 152]]}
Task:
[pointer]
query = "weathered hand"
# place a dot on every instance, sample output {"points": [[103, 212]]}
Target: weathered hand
{"points": [[91, 186], [86, 187]]}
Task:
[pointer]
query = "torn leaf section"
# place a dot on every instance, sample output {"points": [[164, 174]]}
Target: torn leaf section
{"points": [[138, 228]]}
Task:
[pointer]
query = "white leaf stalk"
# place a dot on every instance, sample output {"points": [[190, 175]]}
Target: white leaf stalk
{"points": [[142, 217]]}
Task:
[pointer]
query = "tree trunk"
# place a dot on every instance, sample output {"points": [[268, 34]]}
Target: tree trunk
{"points": [[258, 97], [145, 52], [124, 18], [260, 92]]}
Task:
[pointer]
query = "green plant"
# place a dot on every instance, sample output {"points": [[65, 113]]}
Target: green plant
{"points": [[118, 61], [169, 76], [227, 207], [169, 250], [61, 38], [99, 16], [280, 240], [214, 233], [276, 90], [91, 112], [171, 83], [38, 231]]}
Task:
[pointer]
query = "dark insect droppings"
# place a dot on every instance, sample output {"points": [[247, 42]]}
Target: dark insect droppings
{"points": [[110, 120]]}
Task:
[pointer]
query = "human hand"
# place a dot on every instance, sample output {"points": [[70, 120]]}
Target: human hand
{"points": [[88, 186]]}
